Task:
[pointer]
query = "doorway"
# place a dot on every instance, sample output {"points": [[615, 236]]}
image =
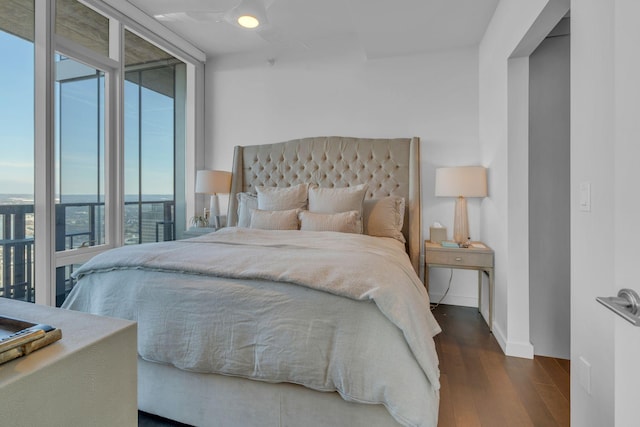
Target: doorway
{"points": [[550, 194]]}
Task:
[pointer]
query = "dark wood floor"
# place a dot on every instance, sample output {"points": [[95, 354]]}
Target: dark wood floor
{"points": [[480, 385], [483, 387], [150, 420]]}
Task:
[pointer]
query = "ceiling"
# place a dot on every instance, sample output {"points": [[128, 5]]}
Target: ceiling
{"points": [[369, 28]]}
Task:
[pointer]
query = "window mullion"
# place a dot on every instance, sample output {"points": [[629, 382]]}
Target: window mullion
{"points": [[44, 153], [115, 130]]}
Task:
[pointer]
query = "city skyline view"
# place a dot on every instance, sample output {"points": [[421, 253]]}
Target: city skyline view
{"points": [[148, 130]]}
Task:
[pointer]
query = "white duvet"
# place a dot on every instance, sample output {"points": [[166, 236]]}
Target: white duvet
{"points": [[331, 311]]}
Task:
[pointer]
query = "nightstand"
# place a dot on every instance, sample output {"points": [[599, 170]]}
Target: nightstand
{"points": [[197, 231], [481, 259]]}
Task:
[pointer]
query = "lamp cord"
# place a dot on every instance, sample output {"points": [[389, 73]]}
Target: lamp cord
{"points": [[433, 306]]}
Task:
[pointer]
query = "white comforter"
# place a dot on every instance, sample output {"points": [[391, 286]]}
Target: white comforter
{"points": [[331, 311]]}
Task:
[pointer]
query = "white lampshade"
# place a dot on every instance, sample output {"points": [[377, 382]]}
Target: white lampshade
{"points": [[461, 182], [465, 181], [213, 182]]}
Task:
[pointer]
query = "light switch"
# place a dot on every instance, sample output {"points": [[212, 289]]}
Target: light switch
{"points": [[585, 197]]}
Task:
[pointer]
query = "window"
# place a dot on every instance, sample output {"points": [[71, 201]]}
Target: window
{"points": [[80, 104], [17, 150], [80, 199], [74, 180], [152, 96]]}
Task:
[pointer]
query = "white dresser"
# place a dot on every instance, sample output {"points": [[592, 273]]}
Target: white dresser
{"points": [[88, 378]]}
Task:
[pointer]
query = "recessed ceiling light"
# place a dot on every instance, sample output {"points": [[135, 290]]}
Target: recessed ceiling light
{"points": [[248, 21]]}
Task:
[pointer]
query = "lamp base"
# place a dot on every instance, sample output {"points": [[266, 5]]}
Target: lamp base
{"points": [[214, 212], [461, 221]]}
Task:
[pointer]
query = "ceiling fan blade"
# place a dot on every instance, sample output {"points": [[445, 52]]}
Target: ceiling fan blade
{"points": [[255, 8], [274, 36], [192, 16]]}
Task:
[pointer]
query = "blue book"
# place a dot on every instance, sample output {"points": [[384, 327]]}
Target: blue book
{"points": [[448, 244]]}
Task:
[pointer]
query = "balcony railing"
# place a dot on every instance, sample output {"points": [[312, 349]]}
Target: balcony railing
{"points": [[77, 225]]}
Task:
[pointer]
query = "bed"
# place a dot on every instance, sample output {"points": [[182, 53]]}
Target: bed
{"points": [[287, 327]]}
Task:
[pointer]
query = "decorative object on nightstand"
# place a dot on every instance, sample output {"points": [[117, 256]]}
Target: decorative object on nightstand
{"points": [[437, 233], [213, 182], [200, 220], [461, 182], [477, 256]]}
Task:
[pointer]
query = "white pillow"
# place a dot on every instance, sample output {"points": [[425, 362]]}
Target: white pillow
{"points": [[282, 198], [344, 222], [275, 220], [384, 217], [246, 202], [335, 200]]}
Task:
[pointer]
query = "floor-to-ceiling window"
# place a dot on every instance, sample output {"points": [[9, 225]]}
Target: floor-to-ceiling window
{"points": [[151, 97], [84, 78], [80, 214], [17, 149], [111, 139]]}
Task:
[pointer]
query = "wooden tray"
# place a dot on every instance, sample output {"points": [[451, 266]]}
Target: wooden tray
{"points": [[19, 338]]}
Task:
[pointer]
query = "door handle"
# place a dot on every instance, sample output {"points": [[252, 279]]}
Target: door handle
{"points": [[626, 305]]}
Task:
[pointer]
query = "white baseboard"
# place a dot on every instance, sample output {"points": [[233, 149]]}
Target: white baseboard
{"points": [[460, 300], [500, 337], [512, 348], [519, 349]]}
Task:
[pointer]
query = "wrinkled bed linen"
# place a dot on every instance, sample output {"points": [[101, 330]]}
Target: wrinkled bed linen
{"points": [[331, 311]]}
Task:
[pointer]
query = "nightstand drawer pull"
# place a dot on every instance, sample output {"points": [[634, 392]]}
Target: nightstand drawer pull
{"points": [[458, 259]]}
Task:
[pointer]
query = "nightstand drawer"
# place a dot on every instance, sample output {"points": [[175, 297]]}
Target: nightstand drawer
{"points": [[459, 257]]}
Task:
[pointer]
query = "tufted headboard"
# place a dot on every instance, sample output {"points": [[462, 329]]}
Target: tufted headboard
{"points": [[388, 166]]}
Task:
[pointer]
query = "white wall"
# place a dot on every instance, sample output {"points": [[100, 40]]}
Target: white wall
{"points": [[432, 96], [592, 246], [515, 30]]}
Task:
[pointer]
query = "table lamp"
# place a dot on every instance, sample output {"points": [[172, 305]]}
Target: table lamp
{"points": [[461, 182], [213, 182]]}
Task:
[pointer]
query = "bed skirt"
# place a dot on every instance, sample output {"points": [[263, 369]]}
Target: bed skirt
{"points": [[221, 401]]}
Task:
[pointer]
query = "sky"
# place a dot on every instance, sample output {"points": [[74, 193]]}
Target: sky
{"points": [[79, 130], [16, 115]]}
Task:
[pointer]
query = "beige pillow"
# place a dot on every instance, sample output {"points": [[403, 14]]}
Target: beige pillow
{"points": [[246, 203], [282, 198], [384, 217], [335, 200], [344, 222], [275, 220]]}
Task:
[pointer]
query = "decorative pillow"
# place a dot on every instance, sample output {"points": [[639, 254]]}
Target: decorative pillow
{"points": [[246, 202], [384, 217], [344, 222], [282, 198], [335, 200], [275, 220]]}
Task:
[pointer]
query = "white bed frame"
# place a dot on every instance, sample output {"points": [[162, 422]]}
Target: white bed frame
{"points": [[390, 167]]}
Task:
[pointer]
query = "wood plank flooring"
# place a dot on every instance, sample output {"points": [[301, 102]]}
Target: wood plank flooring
{"points": [[483, 387]]}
